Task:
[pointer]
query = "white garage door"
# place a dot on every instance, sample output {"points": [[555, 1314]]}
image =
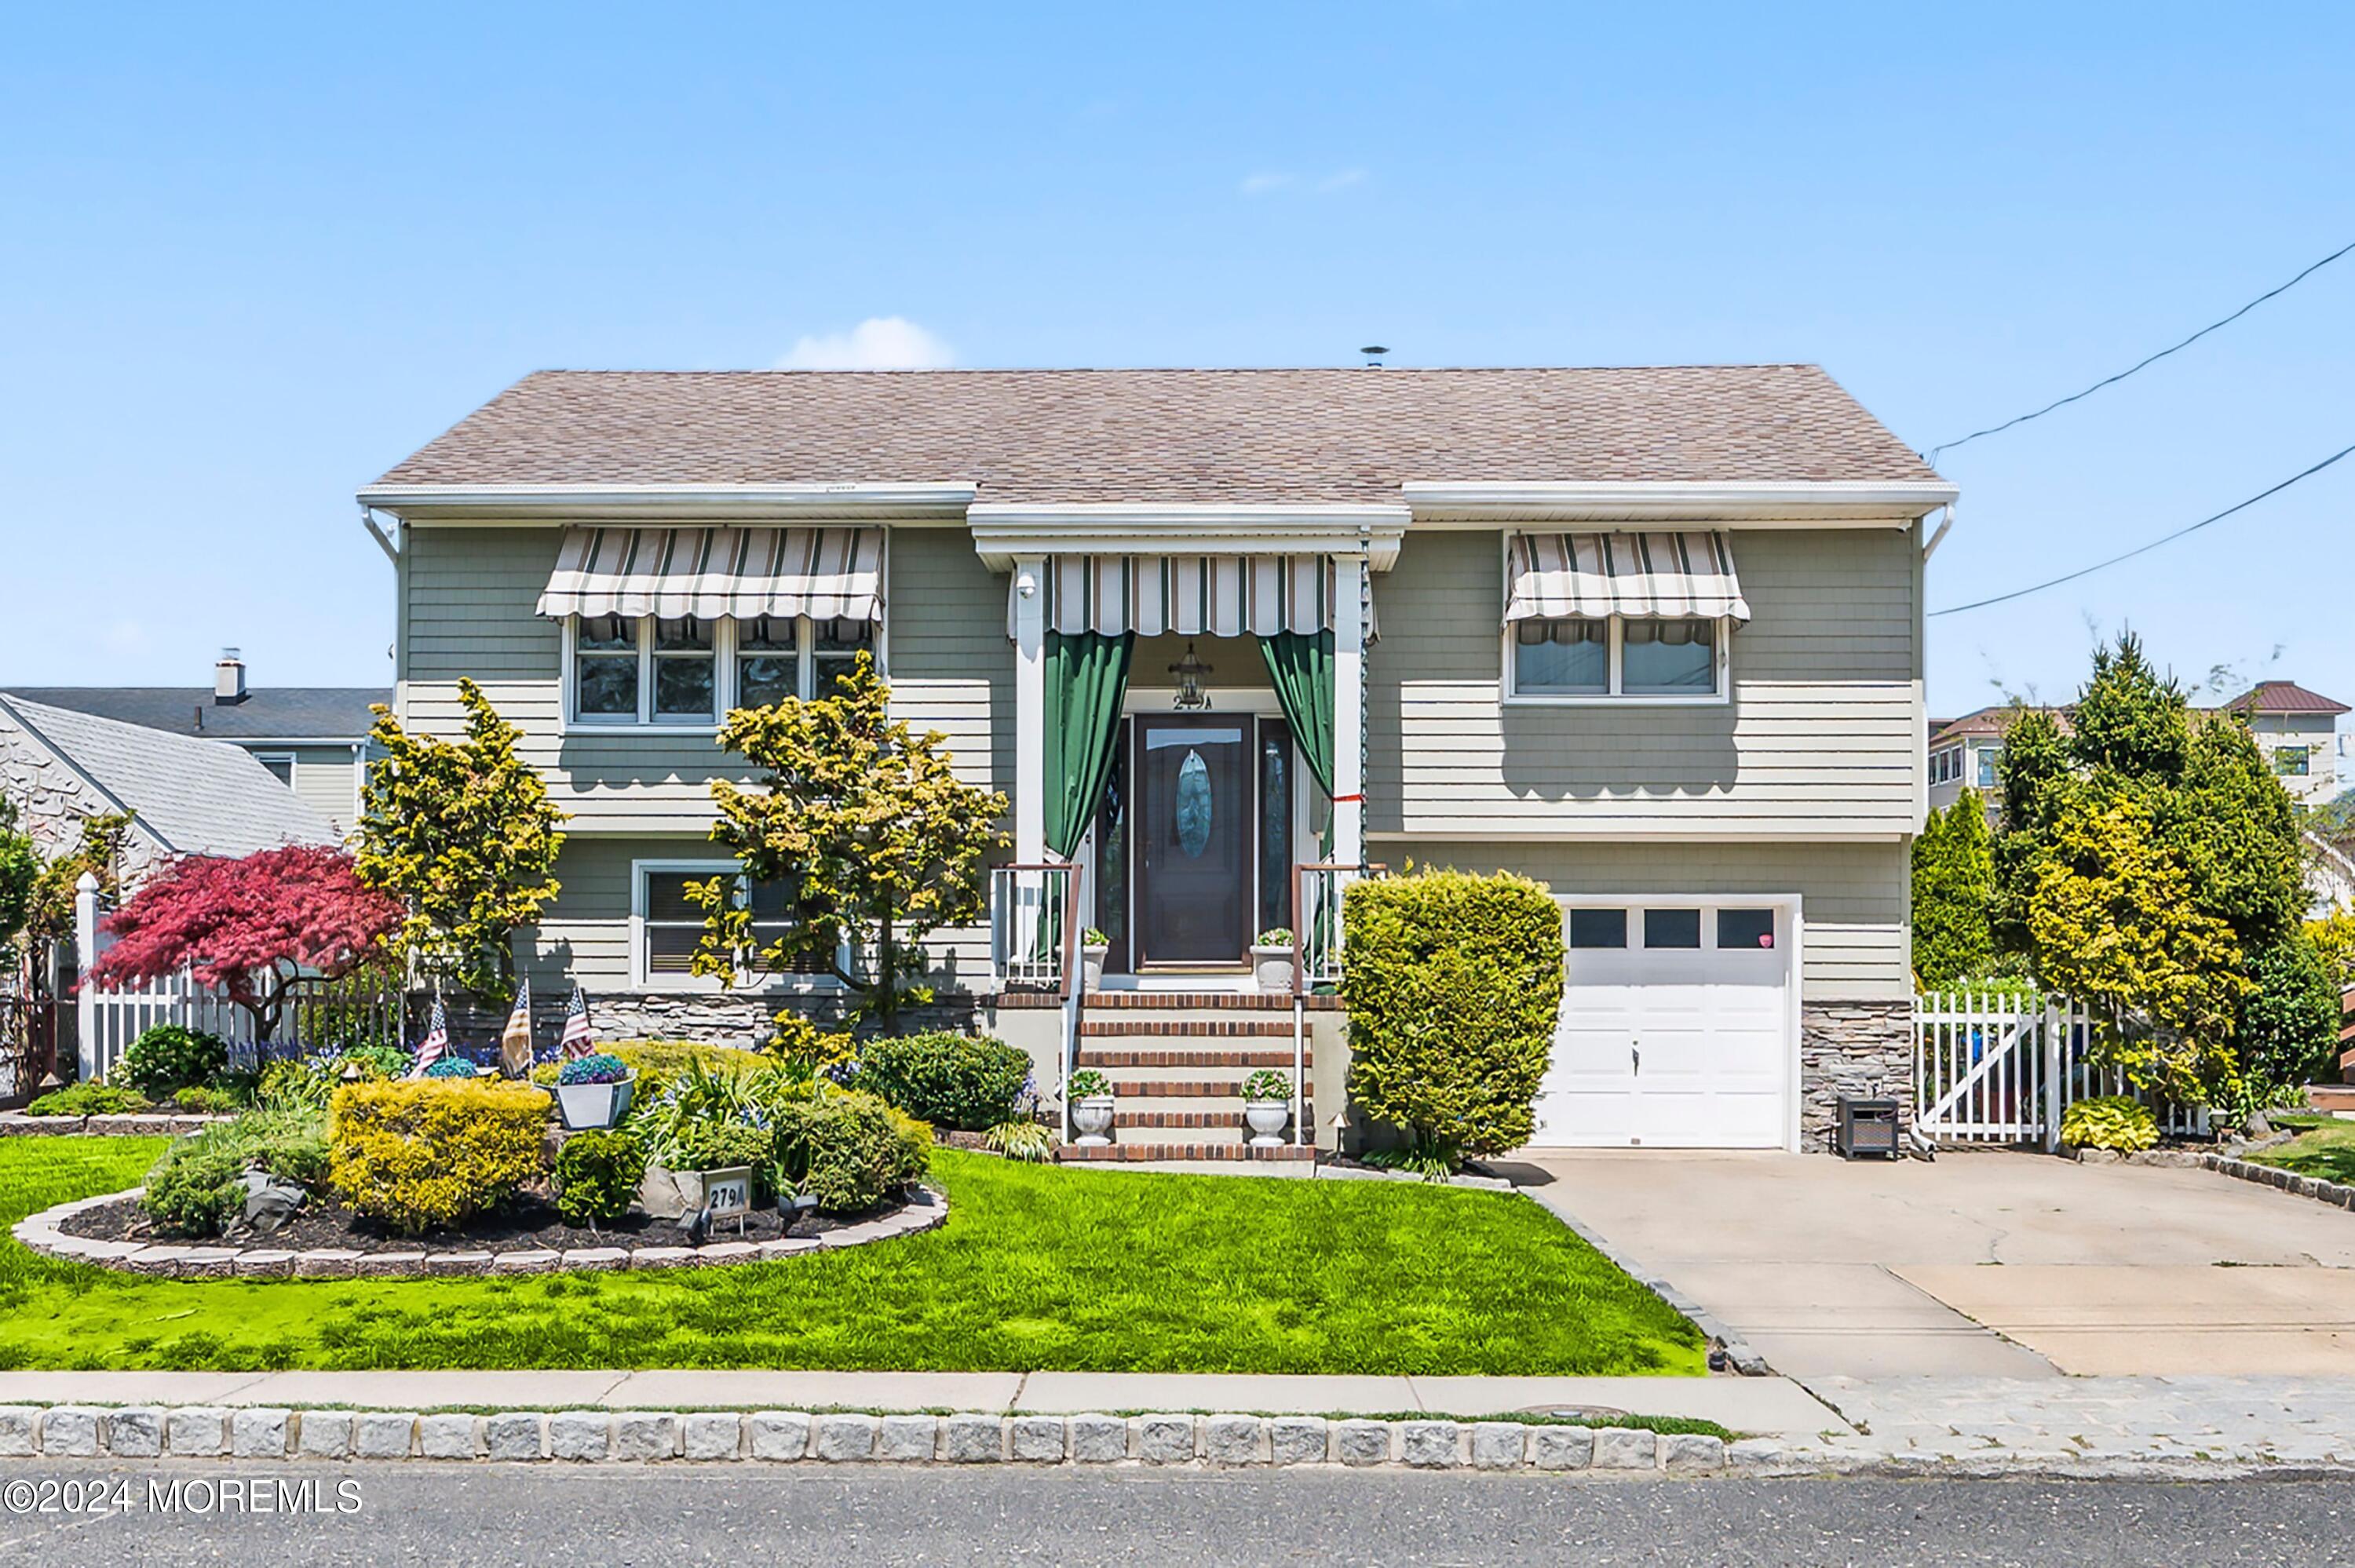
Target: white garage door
{"points": [[1676, 1029]]}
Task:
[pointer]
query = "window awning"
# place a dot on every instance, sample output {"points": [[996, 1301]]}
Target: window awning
{"points": [[1193, 596], [827, 574], [1674, 576]]}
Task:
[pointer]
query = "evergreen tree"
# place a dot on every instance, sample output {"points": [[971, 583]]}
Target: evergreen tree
{"points": [[1953, 895], [2289, 1023]]}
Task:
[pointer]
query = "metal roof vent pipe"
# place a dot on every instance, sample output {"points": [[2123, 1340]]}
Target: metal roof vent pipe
{"points": [[228, 677]]}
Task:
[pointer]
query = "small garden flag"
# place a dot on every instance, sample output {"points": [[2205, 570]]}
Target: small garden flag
{"points": [[577, 1040], [436, 1044], [515, 1040]]}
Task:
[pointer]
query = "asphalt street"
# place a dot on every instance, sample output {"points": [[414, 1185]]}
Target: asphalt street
{"points": [[487, 1516]]}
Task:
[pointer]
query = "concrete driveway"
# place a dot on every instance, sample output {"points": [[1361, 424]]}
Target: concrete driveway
{"points": [[1980, 1264]]}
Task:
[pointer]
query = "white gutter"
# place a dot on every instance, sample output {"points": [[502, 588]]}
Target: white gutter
{"points": [[1872, 501], [375, 531], [1944, 523], [571, 499]]}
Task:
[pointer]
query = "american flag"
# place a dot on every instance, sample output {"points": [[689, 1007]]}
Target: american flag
{"points": [[515, 1040], [436, 1044], [577, 1040]]}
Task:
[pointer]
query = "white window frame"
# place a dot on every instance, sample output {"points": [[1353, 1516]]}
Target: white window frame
{"points": [[1989, 761], [2306, 753], [293, 763], [723, 682], [1722, 644], [641, 977]]}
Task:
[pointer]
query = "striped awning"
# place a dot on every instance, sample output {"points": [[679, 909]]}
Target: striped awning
{"points": [[1193, 596], [827, 574], [1592, 576]]}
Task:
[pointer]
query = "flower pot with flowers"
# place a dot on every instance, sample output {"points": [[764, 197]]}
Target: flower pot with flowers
{"points": [[1267, 1106], [592, 1093], [1089, 1095]]}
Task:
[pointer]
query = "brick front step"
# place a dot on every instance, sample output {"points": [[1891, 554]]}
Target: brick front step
{"points": [[1198, 1000], [1209, 1055], [1177, 1089], [1122, 1153], [1187, 1028], [1228, 1120]]}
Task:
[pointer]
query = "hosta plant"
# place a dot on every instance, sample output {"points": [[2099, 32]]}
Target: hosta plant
{"points": [[2110, 1121]]}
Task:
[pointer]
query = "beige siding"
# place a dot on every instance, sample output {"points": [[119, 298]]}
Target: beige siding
{"points": [[1853, 897], [325, 778], [1821, 737]]}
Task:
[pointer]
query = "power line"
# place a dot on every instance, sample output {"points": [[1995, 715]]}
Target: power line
{"points": [[2155, 544], [1932, 455]]}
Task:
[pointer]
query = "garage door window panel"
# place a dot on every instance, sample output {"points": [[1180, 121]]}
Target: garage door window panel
{"points": [[1747, 928], [1672, 928], [1598, 928]]}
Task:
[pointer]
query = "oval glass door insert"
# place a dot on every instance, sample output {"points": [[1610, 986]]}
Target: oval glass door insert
{"points": [[1193, 805]]}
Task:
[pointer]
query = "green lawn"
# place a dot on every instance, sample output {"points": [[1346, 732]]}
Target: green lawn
{"points": [[1039, 1268], [2326, 1147]]}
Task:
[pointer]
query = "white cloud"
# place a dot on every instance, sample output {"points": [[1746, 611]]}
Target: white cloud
{"points": [[879, 343], [1341, 180], [1267, 182], [1261, 185]]}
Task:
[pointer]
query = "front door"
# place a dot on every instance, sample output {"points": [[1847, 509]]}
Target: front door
{"points": [[1193, 827]]}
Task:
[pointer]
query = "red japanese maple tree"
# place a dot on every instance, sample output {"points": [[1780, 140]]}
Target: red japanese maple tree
{"points": [[251, 926]]}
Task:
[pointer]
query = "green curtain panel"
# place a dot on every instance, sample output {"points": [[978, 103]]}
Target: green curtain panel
{"points": [[1087, 674], [1301, 669]]}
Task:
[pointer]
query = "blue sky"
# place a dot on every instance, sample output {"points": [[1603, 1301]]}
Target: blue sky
{"points": [[252, 256]]}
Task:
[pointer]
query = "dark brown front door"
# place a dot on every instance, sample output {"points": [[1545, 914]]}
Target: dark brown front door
{"points": [[1192, 827]]}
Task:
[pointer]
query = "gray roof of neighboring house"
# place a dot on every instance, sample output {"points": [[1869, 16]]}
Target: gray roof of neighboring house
{"points": [[265, 713], [192, 796], [1323, 435]]}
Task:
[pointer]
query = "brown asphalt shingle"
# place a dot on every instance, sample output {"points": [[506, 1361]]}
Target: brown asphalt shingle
{"points": [[1167, 435]]}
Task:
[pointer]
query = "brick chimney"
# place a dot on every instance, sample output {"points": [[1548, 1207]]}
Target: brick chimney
{"points": [[228, 677]]}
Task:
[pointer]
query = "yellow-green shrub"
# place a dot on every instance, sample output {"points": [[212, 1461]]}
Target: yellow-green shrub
{"points": [[417, 1153], [2109, 1121]]}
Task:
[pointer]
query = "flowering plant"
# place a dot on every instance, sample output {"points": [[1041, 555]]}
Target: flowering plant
{"points": [[451, 1067], [601, 1068]]}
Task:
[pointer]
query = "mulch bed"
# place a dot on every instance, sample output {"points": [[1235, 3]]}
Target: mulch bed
{"points": [[528, 1224]]}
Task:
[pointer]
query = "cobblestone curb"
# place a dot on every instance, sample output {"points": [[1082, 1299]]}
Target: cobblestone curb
{"points": [[149, 1124], [1159, 1441], [927, 1210], [2336, 1193]]}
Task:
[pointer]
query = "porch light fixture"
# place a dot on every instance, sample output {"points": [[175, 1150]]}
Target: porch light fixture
{"points": [[1026, 583], [1190, 671]]}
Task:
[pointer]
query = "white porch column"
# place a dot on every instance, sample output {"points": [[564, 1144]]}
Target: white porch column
{"points": [[86, 997], [1030, 710], [1349, 711]]}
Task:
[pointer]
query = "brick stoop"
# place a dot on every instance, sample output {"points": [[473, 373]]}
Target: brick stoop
{"points": [[1127, 1154], [1177, 1061]]}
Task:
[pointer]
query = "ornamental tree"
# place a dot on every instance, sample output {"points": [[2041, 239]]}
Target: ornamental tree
{"points": [[1953, 895], [864, 821], [251, 926], [464, 836]]}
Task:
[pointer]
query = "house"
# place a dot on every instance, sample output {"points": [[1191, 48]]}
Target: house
{"points": [[1964, 754], [312, 739], [1651, 635], [189, 796], [2298, 732]]}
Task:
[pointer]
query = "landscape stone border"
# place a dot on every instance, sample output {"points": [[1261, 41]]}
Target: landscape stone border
{"points": [[2336, 1193], [926, 1210], [1173, 1440], [144, 1124]]}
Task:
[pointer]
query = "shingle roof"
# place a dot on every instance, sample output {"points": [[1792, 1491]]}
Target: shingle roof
{"points": [[1320, 435], [267, 713], [2282, 697], [194, 797]]}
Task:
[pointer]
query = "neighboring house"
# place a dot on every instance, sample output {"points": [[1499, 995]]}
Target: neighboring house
{"points": [[312, 739], [190, 796], [2298, 732], [1651, 635], [1965, 754]]}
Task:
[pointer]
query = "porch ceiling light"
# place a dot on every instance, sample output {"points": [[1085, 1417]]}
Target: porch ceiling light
{"points": [[1190, 671]]}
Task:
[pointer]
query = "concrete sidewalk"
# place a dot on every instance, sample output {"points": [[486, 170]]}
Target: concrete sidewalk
{"points": [[1770, 1406]]}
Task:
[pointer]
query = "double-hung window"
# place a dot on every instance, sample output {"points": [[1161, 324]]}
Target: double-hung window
{"points": [[1990, 758], [1639, 657], [669, 924], [2291, 761], [666, 669]]}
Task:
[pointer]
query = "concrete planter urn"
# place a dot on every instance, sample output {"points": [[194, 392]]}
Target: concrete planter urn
{"points": [[589, 1108], [1091, 1120], [1267, 1107], [1092, 965], [1271, 968]]}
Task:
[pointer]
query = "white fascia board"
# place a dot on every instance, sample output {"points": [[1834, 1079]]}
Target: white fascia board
{"points": [[1004, 530], [560, 502], [1866, 502]]}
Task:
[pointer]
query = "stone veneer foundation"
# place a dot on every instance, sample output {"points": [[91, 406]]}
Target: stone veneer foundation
{"points": [[1862, 1050]]}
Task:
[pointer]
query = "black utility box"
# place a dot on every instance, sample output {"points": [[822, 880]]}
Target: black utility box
{"points": [[1865, 1127]]}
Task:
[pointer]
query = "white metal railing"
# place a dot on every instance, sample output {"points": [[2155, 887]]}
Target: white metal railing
{"points": [[1030, 909], [1316, 895], [1991, 1069]]}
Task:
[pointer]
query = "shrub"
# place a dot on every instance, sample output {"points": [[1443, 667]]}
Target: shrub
{"points": [[194, 1190], [206, 1102], [719, 1146], [2110, 1121], [310, 1080], [1026, 1140], [451, 1068], [1453, 983], [849, 1151], [89, 1099], [168, 1058], [2290, 1025], [1268, 1084], [414, 1154], [601, 1068], [964, 1081], [739, 1091], [597, 1177], [1084, 1085], [657, 1062]]}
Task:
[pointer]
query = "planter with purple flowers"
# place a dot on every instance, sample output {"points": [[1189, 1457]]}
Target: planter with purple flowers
{"points": [[593, 1092]]}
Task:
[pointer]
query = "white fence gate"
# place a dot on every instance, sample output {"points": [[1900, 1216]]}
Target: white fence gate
{"points": [[2002, 1069]]}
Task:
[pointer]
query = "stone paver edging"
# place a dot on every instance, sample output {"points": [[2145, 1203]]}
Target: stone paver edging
{"points": [[1175, 1439], [126, 1124], [926, 1210]]}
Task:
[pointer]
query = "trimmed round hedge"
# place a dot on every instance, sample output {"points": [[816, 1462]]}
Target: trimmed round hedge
{"points": [[970, 1081]]}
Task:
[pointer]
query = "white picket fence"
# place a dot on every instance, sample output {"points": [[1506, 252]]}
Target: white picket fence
{"points": [[2003, 1069]]}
